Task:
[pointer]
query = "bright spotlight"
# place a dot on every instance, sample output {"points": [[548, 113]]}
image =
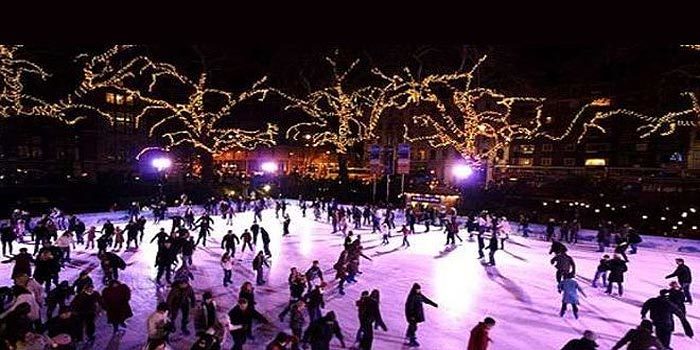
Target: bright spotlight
{"points": [[267, 188], [269, 167], [462, 171], [161, 163]]}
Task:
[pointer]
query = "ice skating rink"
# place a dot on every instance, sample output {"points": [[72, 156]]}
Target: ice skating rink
{"points": [[519, 292]]}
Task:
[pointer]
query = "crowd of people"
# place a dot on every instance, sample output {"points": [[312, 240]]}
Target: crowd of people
{"points": [[28, 307]]}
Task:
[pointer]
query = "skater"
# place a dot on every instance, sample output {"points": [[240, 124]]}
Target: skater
{"points": [[480, 244], [634, 239], [255, 230], [229, 242], [23, 263], [414, 312], [116, 299], [493, 247], [265, 237], [181, 299], [65, 323], [479, 336], [676, 295], [187, 248], [587, 342], [557, 248], [618, 267], [91, 235], [314, 302], [321, 332], [405, 231], [370, 319], [57, 298], [161, 237], [297, 286], [258, 263], [602, 271], [81, 282], [159, 325], [245, 236], [661, 311], [111, 264], [132, 234], [297, 320], [621, 248], [285, 225], [165, 258], [385, 233], [241, 317], [205, 314], [85, 307], [227, 266], [312, 273], [640, 338], [564, 265], [204, 223], [118, 238], [685, 277], [7, 236], [569, 287], [549, 230]]}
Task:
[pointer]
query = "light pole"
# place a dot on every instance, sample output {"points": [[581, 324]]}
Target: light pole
{"points": [[461, 172], [161, 164]]}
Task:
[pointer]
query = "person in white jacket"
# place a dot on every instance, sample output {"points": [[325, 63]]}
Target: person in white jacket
{"points": [[64, 243], [23, 295]]}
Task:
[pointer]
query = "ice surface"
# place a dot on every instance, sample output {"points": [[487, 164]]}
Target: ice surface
{"points": [[520, 292]]}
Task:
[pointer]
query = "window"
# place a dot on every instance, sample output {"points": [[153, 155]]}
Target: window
{"points": [[110, 98], [422, 155], [596, 162], [547, 147], [119, 99], [129, 100], [641, 147], [525, 161], [527, 149], [570, 147], [546, 161], [569, 161]]}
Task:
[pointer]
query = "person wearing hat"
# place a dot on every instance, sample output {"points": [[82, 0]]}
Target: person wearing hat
{"points": [[587, 342], [640, 338], [414, 312], [479, 336], [65, 323]]}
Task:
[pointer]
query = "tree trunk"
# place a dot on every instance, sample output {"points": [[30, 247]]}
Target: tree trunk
{"points": [[207, 161], [343, 168]]}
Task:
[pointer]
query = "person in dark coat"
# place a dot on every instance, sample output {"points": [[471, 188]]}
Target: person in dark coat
{"points": [[7, 236], [661, 311], [85, 305], [493, 247], [23, 263], [46, 270], [370, 318], [414, 312], [314, 302], [285, 225], [181, 299], [557, 248], [83, 280], [479, 335], [17, 323], [116, 299], [320, 332], [685, 277], [258, 263], [265, 237], [165, 258], [602, 271], [65, 323], [618, 267], [241, 317], [58, 297], [676, 295], [245, 236], [640, 338], [229, 242], [161, 237], [564, 265], [587, 342], [111, 264]]}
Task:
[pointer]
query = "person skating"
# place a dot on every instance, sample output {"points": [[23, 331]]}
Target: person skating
{"points": [[258, 262], [85, 305], [181, 299], [161, 237], [58, 297], [297, 286], [7, 236], [46, 269], [227, 266], [661, 311], [297, 321], [370, 319], [479, 336], [557, 248], [204, 224], [341, 271], [315, 302], [183, 273], [23, 263], [246, 237], [587, 342], [405, 232], [640, 338], [281, 342], [187, 248], [265, 237], [676, 295], [229, 242], [414, 312], [685, 277], [91, 235], [65, 323], [158, 325], [116, 298], [618, 267], [241, 318], [621, 248], [313, 273], [118, 238], [602, 271], [165, 258], [493, 247], [111, 264], [285, 225], [480, 244], [132, 234], [205, 313], [321, 331], [564, 265], [384, 229], [570, 288], [20, 296], [83, 280]]}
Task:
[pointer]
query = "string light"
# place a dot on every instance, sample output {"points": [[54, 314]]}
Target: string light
{"points": [[194, 122]]}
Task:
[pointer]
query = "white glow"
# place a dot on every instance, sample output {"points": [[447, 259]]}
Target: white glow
{"points": [[269, 167], [462, 171], [267, 188], [684, 215], [544, 203], [692, 210], [644, 217], [161, 163], [597, 210], [663, 218]]}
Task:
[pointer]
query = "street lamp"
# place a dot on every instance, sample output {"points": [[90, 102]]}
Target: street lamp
{"points": [[161, 164], [269, 167], [462, 171]]}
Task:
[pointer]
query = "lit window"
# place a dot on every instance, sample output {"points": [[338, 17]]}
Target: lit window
{"points": [[525, 161], [595, 162], [130, 100], [527, 149], [119, 99], [422, 155], [110, 98]]}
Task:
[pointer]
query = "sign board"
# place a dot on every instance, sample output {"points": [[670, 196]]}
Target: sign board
{"points": [[375, 153], [403, 162]]}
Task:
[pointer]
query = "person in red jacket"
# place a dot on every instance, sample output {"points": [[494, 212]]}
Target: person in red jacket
{"points": [[479, 338]]}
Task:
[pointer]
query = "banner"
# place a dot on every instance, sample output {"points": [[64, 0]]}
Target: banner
{"points": [[375, 153], [403, 162]]}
